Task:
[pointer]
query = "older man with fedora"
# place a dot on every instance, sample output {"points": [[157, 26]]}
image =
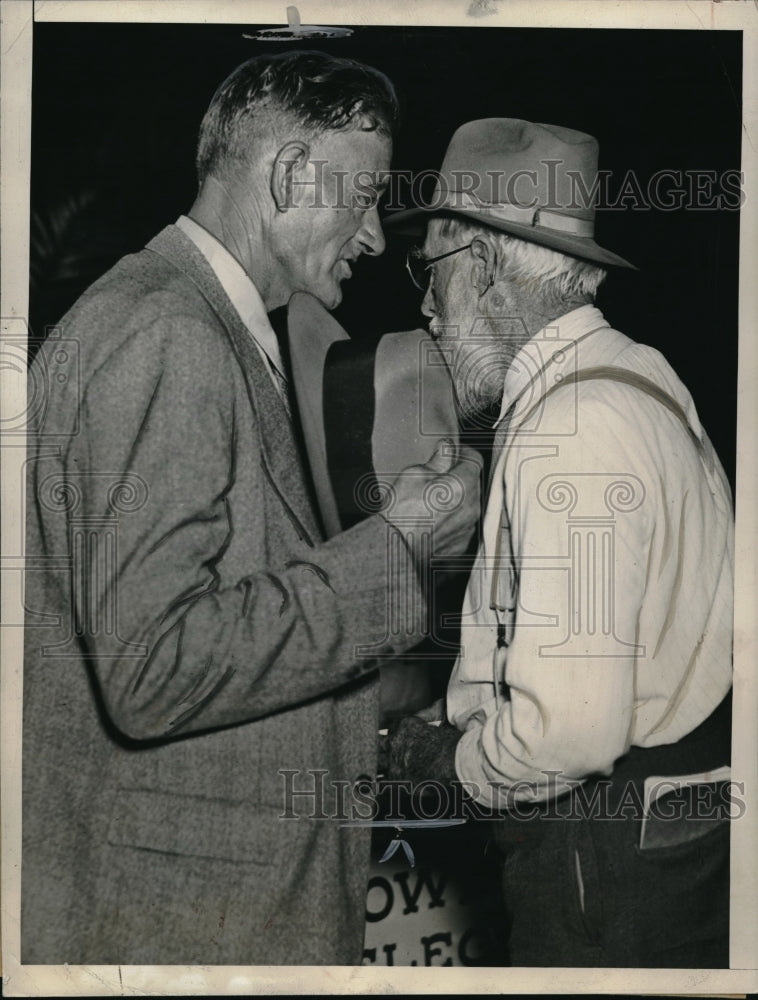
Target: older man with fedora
{"points": [[589, 707]]}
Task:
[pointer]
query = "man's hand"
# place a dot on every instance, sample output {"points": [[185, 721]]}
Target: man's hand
{"points": [[442, 496], [436, 712], [417, 751]]}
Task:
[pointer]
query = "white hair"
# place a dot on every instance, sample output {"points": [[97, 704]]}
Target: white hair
{"points": [[543, 272]]}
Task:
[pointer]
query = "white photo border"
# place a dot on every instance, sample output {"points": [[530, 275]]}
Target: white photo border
{"points": [[16, 40]]}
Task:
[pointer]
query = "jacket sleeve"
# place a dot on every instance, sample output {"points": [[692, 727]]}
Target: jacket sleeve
{"points": [[163, 412]]}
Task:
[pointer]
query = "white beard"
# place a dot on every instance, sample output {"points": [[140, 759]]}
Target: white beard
{"points": [[478, 375]]}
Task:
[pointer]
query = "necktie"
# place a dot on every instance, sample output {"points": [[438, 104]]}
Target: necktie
{"points": [[498, 442], [282, 386]]}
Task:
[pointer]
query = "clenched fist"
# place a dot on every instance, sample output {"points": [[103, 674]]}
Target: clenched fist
{"points": [[442, 496], [416, 751]]}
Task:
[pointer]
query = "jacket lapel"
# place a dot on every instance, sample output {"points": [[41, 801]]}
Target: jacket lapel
{"points": [[280, 458]]}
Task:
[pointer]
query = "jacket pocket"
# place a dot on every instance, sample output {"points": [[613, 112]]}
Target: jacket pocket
{"points": [[683, 816], [194, 826]]}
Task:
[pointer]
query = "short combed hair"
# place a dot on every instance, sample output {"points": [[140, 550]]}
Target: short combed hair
{"points": [[542, 271], [267, 94]]}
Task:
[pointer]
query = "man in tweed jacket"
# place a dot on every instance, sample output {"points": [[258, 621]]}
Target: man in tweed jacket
{"points": [[189, 634]]}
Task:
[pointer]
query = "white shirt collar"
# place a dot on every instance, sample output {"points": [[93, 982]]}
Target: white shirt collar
{"points": [[237, 284], [537, 353]]}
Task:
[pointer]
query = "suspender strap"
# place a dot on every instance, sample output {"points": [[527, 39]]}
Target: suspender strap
{"points": [[607, 373], [632, 379], [600, 372]]}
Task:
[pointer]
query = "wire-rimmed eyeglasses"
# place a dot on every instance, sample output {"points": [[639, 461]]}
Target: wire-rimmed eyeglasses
{"points": [[420, 267]]}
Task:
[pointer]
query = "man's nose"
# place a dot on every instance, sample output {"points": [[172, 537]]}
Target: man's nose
{"points": [[370, 235]]}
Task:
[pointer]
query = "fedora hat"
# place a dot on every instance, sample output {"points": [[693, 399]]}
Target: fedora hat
{"points": [[531, 181], [366, 410]]}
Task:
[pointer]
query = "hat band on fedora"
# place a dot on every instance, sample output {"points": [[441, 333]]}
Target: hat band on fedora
{"points": [[522, 215]]}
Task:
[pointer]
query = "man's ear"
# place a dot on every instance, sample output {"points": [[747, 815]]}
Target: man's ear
{"points": [[288, 171], [485, 268]]}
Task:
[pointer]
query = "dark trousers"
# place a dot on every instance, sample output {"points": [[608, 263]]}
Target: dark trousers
{"points": [[582, 893], [580, 890]]}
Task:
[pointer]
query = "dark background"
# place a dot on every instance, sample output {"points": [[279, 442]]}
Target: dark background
{"points": [[116, 108]]}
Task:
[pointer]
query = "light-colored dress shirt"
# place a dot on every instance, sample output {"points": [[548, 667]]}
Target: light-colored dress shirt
{"points": [[245, 298], [605, 569]]}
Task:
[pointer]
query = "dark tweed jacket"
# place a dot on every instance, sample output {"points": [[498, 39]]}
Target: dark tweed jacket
{"points": [[189, 635]]}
